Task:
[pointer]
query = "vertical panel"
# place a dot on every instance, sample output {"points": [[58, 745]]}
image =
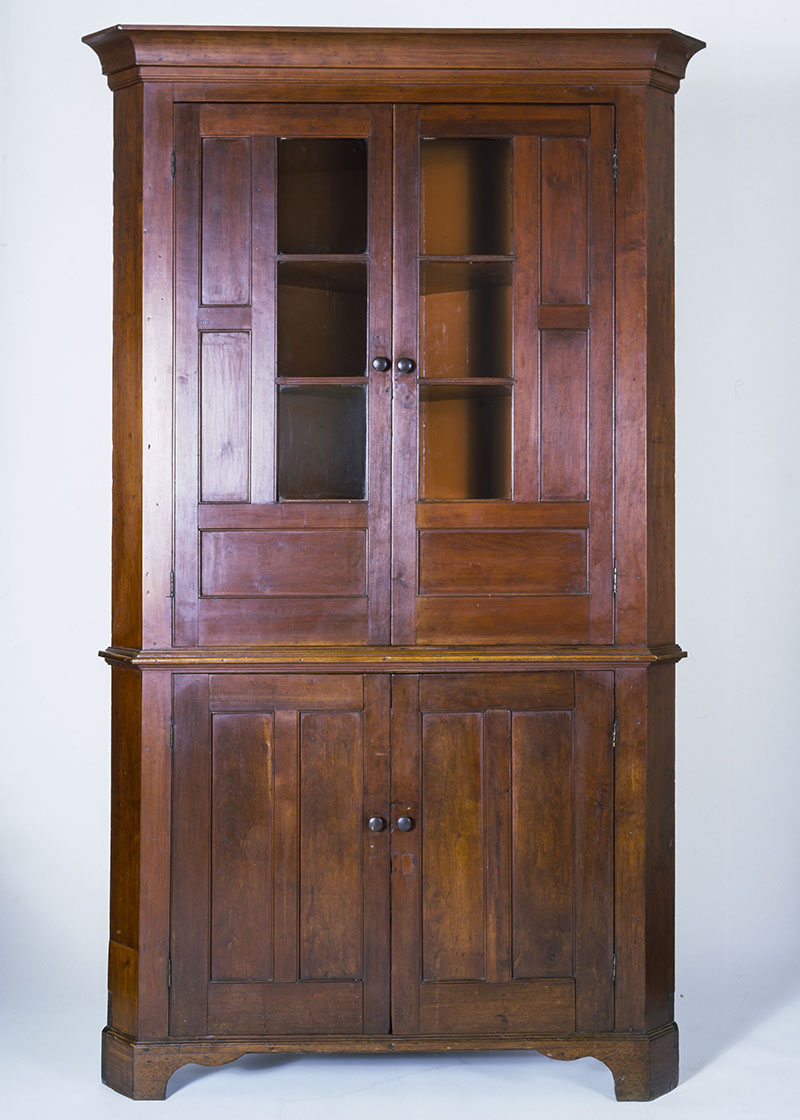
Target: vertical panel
{"points": [[241, 846], [594, 880], [526, 303], [564, 221], [224, 416], [286, 852], [453, 906], [541, 766], [191, 858], [564, 415], [225, 241], [497, 762], [331, 786]]}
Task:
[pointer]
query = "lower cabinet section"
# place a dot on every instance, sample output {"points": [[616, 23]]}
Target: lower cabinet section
{"points": [[317, 860], [409, 855]]}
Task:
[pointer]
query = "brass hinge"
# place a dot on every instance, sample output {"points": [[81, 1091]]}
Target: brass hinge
{"points": [[613, 736], [169, 972], [172, 163], [613, 968], [614, 582], [172, 735], [614, 163], [172, 584]]}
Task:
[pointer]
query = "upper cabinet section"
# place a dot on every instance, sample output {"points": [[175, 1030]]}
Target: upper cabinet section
{"points": [[394, 352]]}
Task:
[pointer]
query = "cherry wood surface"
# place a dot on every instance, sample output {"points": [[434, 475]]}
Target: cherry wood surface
{"points": [[452, 606]]}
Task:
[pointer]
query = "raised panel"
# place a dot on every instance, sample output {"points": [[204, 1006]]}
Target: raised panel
{"points": [[515, 561], [542, 855], [461, 619], [565, 228], [264, 562], [224, 416], [453, 903], [331, 828], [299, 620], [477, 692], [304, 691], [226, 221], [565, 434], [241, 846]]}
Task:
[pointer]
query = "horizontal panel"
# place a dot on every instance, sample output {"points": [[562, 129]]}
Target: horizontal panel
{"points": [[564, 317], [280, 120], [286, 515], [516, 560], [324, 1007], [461, 620], [522, 1005], [291, 621], [503, 515], [479, 692], [298, 691], [272, 562], [521, 120]]}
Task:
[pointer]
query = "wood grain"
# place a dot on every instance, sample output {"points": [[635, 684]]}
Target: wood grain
{"points": [[515, 561]]}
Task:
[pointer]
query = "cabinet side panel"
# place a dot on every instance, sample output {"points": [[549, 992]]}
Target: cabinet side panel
{"points": [[126, 714], [660, 867], [126, 726], [660, 369], [126, 539]]}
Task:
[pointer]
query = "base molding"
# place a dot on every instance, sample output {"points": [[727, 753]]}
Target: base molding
{"points": [[644, 1065]]}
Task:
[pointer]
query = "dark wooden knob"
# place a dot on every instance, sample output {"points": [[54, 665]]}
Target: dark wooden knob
{"points": [[405, 365], [376, 824], [405, 824], [381, 364]]}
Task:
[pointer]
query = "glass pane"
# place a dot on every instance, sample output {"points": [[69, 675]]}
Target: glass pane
{"points": [[466, 197], [321, 442], [465, 442], [465, 319], [322, 319], [322, 196]]}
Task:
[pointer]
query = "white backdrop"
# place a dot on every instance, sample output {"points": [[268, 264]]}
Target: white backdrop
{"points": [[738, 403]]}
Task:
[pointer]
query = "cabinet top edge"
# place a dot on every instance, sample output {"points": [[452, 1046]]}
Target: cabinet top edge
{"points": [[545, 50]]}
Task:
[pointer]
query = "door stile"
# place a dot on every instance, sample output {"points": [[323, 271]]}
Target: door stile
{"points": [[187, 371], [263, 421], [405, 303], [379, 344], [405, 854], [377, 866], [601, 374]]}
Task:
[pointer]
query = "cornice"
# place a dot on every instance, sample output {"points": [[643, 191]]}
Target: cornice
{"points": [[394, 659], [130, 53]]}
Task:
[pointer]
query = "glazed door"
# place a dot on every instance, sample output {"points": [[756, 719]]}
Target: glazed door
{"points": [[503, 413], [502, 883], [280, 891], [283, 249]]}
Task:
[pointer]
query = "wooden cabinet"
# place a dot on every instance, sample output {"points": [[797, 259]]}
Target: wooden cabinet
{"points": [[392, 637]]}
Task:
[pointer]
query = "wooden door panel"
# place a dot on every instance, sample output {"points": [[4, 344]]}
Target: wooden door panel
{"points": [[280, 918], [501, 891], [271, 414], [496, 442]]}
